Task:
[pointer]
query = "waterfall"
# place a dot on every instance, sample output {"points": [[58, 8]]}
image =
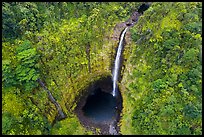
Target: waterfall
{"points": [[117, 63]]}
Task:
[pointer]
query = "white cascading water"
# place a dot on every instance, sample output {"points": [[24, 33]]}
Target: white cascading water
{"points": [[117, 63]]}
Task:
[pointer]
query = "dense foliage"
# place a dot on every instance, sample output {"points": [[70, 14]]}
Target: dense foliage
{"points": [[164, 84], [60, 43], [68, 45]]}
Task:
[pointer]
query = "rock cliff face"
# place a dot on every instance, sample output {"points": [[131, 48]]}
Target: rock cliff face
{"points": [[121, 26], [133, 19]]}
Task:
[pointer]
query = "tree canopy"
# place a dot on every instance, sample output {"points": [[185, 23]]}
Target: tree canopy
{"points": [[68, 45]]}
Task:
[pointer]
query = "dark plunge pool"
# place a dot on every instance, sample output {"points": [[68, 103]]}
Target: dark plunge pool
{"points": [[100, 106], [97, 108]]}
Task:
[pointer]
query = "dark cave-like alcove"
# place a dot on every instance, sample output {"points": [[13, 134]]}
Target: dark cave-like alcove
{"points": [[100, 106], [97, 107]]}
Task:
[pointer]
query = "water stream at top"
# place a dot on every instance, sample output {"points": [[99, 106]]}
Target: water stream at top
{"points": [[117, 63]]}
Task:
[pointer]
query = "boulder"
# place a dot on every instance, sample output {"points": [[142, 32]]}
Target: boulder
{"points": [[112, 130]]}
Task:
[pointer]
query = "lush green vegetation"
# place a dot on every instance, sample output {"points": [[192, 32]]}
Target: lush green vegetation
{"points": [[68, 46], [163, 88]]}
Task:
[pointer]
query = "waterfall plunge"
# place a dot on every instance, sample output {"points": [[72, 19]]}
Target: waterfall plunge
{"points": [[117, 63]]}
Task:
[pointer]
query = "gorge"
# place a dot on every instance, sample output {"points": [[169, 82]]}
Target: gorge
{"points": [[103, 107]]}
